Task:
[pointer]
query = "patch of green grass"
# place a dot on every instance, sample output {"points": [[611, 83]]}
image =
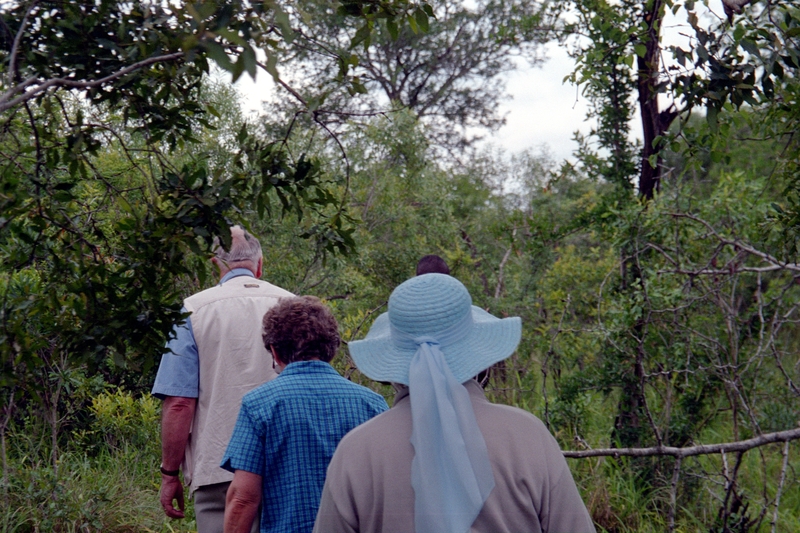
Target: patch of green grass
{"points": [[115, 491]]}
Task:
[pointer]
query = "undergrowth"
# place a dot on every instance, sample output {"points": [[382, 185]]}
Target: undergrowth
{"points": [[106, 475]]}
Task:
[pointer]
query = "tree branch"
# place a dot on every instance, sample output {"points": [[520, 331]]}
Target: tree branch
{"points": [[689, 451], [780, 486], [285, 85], [6, 104], [728, 271], [738, 244], [500, 275], [673, 493], [12, 64]]}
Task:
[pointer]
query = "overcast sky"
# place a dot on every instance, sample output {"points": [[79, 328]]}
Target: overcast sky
{"points": [[543, 109]]}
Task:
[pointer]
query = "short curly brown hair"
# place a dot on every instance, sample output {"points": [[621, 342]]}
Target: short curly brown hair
{"points": [[301, 328]]}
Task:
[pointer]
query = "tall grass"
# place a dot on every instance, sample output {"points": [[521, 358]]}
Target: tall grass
{"points": [[106, 478], [107, 474]]}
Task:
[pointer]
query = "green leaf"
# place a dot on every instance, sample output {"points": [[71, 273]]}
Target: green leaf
{"points": [[391, 26], [271, 66], [217, 53], [282, 19], [750, 47], [768, 86], [205, 9], [238, 69], [315, 101], [422, 20], [412, 23], [640, 49], [362, 35], [249, 58], [357, 86], [232, 36]]}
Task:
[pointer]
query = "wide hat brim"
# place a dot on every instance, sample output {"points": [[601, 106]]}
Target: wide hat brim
{"points": [[488, 340]]}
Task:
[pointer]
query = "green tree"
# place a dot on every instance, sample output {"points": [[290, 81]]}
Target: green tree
{"points": [[700, 255], [446, 68], [107, 207]]}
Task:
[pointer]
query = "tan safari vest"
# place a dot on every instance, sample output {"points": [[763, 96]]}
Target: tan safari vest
{"points": [[226, 322]]}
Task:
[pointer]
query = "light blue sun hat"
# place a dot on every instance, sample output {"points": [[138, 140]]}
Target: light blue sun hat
{"points": [[438, 306]]}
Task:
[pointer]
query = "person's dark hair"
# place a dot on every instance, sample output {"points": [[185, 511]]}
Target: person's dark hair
{"points": [[300, 329], [432, 264]]}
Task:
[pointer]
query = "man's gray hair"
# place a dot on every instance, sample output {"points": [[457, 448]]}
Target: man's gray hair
{"points": [[244, 247]]}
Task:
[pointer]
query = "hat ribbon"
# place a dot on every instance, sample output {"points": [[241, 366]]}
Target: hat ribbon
{"points": [[450, 473]]}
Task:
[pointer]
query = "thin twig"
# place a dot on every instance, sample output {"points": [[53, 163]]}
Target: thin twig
{"points": [[498, 289], [780, 486], [673, 493], [12, 64], [550, 352], [285, 85], [369, 314], [731, 488]]}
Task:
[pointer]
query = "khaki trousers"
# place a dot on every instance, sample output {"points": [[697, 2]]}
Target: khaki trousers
{"points": [[209, 508]]}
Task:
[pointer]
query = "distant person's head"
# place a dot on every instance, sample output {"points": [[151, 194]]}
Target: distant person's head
{"points": [[301, 328], [244, 252], [432, 264]]}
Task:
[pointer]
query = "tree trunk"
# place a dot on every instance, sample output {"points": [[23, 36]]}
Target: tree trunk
{"points": [[654, 123]]}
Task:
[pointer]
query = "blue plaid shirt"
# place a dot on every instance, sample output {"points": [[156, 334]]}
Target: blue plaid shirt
{"points": [[287, 431]]}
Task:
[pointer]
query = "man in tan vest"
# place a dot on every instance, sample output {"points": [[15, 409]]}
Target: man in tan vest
{"points": [[215, 357]]}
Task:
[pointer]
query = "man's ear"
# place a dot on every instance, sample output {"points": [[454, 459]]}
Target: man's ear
{"points": [[259, 267], [275, 355], [222, 268]]}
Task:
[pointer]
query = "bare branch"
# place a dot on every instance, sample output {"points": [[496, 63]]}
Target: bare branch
{"points": [[726, 271], [689, 451], [499, 288], [366, 316], [547, 355], [286, 86], [740, 245], [780, 486], [6, 104], [12, 64], [673, 493]]}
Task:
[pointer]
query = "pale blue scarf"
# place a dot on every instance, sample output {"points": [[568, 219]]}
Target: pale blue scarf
{"points": [[450, 473]]}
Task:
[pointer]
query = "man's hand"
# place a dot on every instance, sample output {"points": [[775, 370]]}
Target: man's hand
{"points": [[171, 490], [176, 423]]}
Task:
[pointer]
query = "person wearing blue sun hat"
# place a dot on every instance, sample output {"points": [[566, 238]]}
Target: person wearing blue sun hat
{"points": [[444, 459]]}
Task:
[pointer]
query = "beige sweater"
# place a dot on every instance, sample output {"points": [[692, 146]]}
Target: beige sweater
{"points": [[368, 486]]}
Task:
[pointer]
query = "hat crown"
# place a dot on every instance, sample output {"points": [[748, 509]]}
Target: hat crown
{"points": [[428, 304]]}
